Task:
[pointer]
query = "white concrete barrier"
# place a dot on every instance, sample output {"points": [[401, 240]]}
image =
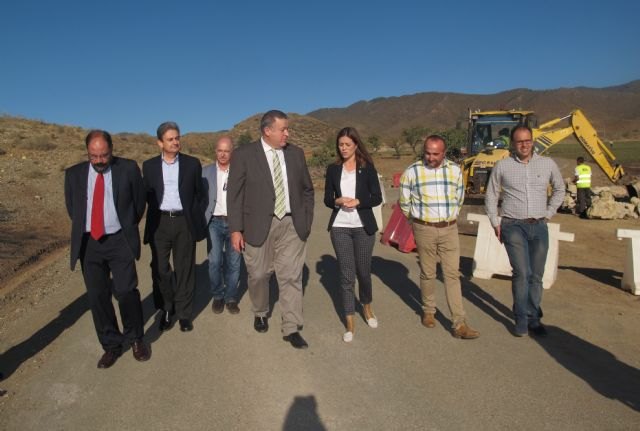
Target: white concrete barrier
{"points": [[490, 257], [631, 277], [377, 211]]}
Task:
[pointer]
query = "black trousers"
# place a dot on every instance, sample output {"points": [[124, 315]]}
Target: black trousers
{"points": [[173, 239], [109, 269], [583, 200]]}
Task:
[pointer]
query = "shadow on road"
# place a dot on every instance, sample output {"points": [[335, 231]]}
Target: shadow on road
{"points": [[18, 354], [597, 367], [303, 415], [329, 272], [482, 299], [396, 277], [605, 276]]}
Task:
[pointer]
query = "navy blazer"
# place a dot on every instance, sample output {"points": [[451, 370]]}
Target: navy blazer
{"points": [[192, 195], [367, 192], [128, 196]]}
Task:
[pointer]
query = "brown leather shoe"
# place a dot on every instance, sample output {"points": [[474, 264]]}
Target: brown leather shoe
{"points": [[429, 320], [140, 351], [217, 306], [232, 307], [465, 332], [108, 359]]}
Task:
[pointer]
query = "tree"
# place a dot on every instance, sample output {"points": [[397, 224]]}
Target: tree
{"points": [[323, 155], [396, 144], [414, 136], [374, 143]]}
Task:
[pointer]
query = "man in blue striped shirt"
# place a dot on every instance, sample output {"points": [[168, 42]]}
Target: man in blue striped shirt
{"points": [[431, 196], [523, 180]]}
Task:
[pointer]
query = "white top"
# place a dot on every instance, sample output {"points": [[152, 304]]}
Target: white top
{"points": [[268, 150], [348, 217], [222, 176]]}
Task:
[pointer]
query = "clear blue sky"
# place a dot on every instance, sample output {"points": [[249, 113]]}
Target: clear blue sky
{"points": [[127, 65]]}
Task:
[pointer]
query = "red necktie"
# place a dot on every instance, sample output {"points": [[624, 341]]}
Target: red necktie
{"points": [[97, 210]]}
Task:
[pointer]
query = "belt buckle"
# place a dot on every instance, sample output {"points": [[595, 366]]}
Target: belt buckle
{"points": [[171, 214]]}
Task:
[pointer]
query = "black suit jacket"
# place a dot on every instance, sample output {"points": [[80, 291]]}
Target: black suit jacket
{"points": [[128, 195], [192, 195], [251, 196], [367, 192]]}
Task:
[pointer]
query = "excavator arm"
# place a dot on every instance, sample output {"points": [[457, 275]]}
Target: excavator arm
{"points": [[545, 136]]}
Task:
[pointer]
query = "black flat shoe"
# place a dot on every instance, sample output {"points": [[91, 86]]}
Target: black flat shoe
{"points": [[260, 324], [296, 340], [166, 322], [186, 325]]}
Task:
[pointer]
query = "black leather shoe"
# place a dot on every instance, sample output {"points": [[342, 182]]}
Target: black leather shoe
{"points": [[232, 307], [217, 306], [108, 359], [260, 324], [539, 331], [166, 322], [296, 340], [186, 325], [140, 351]]}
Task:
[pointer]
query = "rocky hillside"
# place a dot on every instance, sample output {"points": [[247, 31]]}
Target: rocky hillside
{"points": [[614, 111]]}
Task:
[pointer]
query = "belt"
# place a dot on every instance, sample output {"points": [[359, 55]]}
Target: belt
{"points": [[438, 224], [177, 213], [286, 215], [219, 217], [526, 220]]}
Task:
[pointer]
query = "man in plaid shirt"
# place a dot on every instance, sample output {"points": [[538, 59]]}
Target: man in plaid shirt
{"points": [[431, 195], [523, 180]]}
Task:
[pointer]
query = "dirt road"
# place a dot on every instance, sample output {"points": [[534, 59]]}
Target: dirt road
{"points": [[224, 375]]}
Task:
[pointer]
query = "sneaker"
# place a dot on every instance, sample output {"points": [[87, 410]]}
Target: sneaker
{"points": [[521, 330], [347, 337]]}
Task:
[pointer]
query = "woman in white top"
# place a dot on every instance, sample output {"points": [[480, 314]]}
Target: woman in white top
{"points": [[351, 190]]}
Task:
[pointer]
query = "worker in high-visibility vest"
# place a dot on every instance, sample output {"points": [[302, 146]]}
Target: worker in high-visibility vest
{"points": [[582, 179]]}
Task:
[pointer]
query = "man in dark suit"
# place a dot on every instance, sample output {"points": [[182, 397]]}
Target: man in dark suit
{"points": [[175, 222], [105, 201], [270, 208]]}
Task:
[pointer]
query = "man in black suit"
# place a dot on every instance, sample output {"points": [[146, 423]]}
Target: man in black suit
{"points": [[175, 222], [270, 209], [105, 201]]}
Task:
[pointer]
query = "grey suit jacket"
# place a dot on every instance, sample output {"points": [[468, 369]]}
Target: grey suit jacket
{"points": [[251, 196], [210, 184]]}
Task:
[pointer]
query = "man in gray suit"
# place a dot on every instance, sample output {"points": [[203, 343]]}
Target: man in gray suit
{"points": [[224, 261], [270, 208]]}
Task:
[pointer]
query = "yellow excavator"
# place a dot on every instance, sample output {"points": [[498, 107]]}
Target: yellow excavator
{"points": [[488, 142]]}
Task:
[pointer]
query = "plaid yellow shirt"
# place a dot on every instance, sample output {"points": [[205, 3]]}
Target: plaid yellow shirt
{"points": [[432, 194]]}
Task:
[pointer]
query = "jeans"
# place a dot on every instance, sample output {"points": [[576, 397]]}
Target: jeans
{"points": [[527, 245], [223, 259]]}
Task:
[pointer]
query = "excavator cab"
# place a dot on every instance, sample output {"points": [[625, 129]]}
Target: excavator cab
{"points": [[488, 130], [488, 142]]}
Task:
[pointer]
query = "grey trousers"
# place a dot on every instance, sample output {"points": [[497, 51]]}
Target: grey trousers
{"points": [[284, 253]]}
